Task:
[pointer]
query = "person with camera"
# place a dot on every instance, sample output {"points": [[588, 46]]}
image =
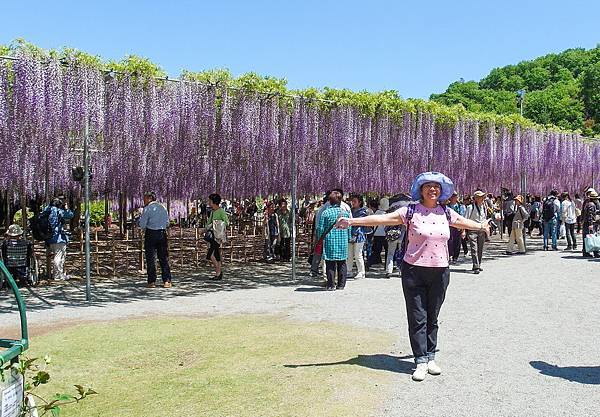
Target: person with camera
{"points": [[154, 221], [56, 246]]}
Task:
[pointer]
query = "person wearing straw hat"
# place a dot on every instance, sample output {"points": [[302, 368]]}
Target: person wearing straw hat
{"points": [[518, 227], [477, 213], [591, 210], [425, 266]]}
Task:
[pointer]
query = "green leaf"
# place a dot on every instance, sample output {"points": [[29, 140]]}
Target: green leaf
{"points": [[55, 411], [42, 377], [64, 397]]}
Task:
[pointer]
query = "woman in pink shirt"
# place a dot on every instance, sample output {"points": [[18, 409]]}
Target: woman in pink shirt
{"points": [[425, 272]]}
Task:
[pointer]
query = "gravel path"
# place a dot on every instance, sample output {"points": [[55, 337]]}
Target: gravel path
{"points": [[520, 339]]}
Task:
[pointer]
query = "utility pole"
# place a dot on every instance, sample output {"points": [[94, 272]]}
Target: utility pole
{"points": [[86, 205], [521, 99]]}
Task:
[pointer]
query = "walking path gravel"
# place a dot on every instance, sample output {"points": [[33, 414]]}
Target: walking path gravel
{"points": [[520, 339]]}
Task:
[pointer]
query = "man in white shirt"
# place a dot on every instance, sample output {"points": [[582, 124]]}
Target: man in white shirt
{"points": [[154, 221]]}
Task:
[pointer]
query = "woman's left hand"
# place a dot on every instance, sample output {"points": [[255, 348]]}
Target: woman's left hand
{"points": [[486, 227]]}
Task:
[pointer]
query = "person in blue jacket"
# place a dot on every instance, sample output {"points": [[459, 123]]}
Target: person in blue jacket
{"points": [[56, 246]]}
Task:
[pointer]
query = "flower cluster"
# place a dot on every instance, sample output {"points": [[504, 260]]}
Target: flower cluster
{"points": [[187, 139]]}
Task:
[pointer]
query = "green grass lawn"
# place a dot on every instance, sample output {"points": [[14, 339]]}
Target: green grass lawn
{"points": [[220, 366]]}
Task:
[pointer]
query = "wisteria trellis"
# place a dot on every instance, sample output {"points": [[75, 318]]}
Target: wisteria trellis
{"points": [[186, 139]]}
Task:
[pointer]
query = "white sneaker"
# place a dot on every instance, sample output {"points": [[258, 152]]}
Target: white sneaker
{"points": [[359, 276], [420, 373], [433, 368]]}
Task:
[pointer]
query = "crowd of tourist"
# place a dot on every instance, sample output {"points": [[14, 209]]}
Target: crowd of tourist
{"points": [[418, 234], [556, 218]]}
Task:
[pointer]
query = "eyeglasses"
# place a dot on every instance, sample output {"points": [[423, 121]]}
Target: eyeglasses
{"points": [[432, 185]]}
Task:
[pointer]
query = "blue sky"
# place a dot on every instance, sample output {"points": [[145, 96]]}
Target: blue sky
{"points": [[415, 47]]}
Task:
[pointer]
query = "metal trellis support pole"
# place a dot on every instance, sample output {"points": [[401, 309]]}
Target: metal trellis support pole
{"points": [[86, 185], [294, 199]]}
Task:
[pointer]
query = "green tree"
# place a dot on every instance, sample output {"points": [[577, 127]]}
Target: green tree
{"points": [[559, 105], [590, 88]]}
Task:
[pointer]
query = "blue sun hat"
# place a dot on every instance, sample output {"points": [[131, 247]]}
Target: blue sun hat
{"points": [[445, 182]]}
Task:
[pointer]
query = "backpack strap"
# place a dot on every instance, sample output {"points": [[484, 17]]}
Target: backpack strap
{"points": [[448, 214], [409, 213]]}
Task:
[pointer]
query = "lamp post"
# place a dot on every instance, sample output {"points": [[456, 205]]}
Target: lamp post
{"points": [[521, 99], [86, 205]]}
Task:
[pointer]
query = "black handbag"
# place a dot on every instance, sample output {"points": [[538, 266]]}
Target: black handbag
{"points": [[209, 235]]}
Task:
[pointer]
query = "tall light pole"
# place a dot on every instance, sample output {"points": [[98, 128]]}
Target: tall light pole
{"points": [[86, 205], [521, 99]]}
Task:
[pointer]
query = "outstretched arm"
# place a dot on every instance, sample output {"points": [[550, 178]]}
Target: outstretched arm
{"points": [[463, 223], [389, 219]]}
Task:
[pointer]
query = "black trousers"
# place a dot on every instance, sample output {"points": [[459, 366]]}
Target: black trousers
{"points": [[507, 225], [155, 242], [336, 266], [571, 238], [424, 293], [286, 248], [465, 245], [379, 243], [214, 249], [454, 243], [535, 225]]}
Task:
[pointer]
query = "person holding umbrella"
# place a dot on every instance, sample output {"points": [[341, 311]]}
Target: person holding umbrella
{"points": [[425, 266]]}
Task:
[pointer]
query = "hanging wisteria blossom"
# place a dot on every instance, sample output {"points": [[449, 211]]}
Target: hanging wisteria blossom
{"points": [[186, 140]]}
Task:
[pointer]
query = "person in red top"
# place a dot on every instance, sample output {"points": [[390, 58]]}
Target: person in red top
{"points": [[425, 271]]}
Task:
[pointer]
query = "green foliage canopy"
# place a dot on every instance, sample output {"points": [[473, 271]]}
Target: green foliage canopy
{"points": [[561, 89]]}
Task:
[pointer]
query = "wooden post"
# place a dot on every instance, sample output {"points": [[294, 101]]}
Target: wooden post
{"points": [[132, 220], [81, 241], [97, 252], [126, 250], [47, 181], [196, 246], [181, 245], [8, 217], [142, 257], [106, 211], [217, 178], [24, 212], [114, 264], [122, 212]]}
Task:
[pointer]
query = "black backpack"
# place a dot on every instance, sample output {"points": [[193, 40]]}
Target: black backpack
{"points": [[596, 215], [393, 233], [549, 209], [41, 229]]}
